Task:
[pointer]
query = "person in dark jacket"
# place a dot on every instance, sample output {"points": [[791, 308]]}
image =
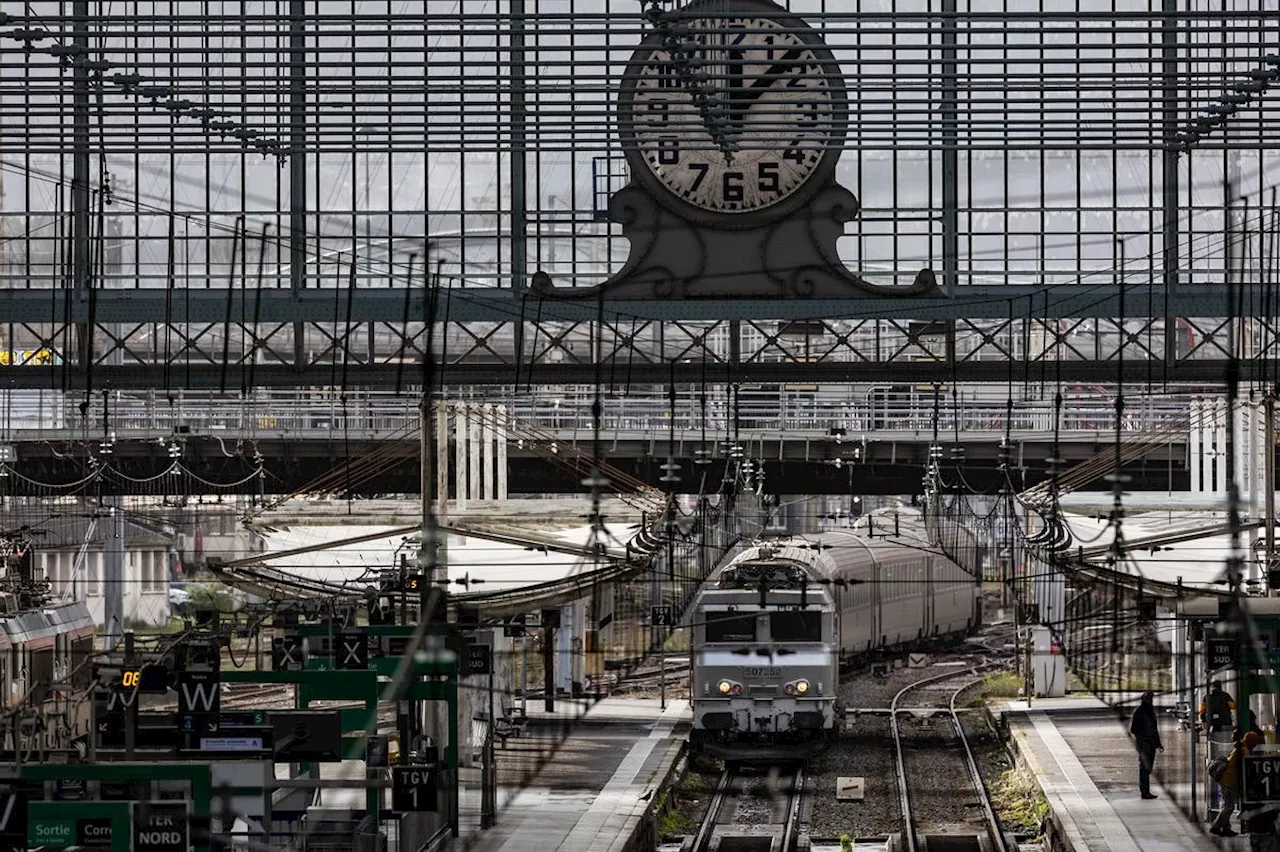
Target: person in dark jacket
{"points": [[1145, 728], [1216, 711]]}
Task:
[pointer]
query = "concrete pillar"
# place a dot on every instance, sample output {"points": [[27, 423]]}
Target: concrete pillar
{"points": [[1220, 446], [490, 453], [460, 454], [442, 454], [1195, 447], [578, 645], [473, 453], [564, 649], [501, 437], [602, 604]]}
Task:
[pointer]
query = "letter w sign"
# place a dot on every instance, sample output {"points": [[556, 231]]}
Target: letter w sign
{"points": [[198, 692]]}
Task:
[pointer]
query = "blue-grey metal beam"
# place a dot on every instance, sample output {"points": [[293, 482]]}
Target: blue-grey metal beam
{"points": [[41, 306]]}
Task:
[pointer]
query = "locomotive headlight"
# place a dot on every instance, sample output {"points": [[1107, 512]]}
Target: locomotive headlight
{"points": [[724, 687], [802, 686]]}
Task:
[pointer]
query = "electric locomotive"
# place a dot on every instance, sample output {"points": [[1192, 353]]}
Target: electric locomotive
{"points": [[772, 626]]}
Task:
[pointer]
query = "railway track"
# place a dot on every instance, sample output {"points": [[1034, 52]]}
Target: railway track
{"points": [[753, 810], [931, 753]]}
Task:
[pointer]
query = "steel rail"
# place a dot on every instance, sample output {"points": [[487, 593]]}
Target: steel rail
{"points": [[975, 775], [791, 831], [904, 790], [702, 840]]}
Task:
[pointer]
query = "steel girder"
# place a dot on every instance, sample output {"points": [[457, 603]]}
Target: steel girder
{"points": [[205, 376], [479, 304], [138, 339]]}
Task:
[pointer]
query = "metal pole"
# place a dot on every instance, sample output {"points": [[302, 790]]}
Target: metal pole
{"points": [[949, 108], [131, 711], [298, 168], [1269, 485], [1169, 162], [113, 572], [1192, 709], [488, 795], [524, 673], [548, 667], [81, 248]]}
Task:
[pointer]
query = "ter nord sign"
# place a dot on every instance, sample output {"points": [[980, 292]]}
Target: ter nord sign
{"points": [[160, 827]]}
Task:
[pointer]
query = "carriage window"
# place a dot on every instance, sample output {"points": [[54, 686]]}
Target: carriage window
{"points": [[728, 627], [796, 626]]}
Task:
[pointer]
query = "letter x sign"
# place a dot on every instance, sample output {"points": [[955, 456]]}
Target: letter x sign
{"points": [[286, 654], [352, 650]]}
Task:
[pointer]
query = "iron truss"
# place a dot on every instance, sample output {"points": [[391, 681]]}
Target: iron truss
{"points": [[496, 337]]}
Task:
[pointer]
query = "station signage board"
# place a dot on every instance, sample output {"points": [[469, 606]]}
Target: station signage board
{"points": [[477, 660], [1221, 652], [413, 789], [286, 654], [160, 827], [352, 650], [93, 825], [1261, 778]]}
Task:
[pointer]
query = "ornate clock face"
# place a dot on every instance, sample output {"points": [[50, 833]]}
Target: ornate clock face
{"points": [[775, 120]]}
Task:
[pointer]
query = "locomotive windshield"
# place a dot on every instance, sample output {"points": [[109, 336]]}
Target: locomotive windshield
{"points": [[730, 627], [796, 626]]}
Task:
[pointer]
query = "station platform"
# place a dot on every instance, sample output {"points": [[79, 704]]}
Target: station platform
{"points": [[580, 779], [1080, 754]]}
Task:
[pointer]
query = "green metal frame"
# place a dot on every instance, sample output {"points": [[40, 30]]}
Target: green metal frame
{"points": [[1250, 662], [197, 774], [319, 684]]}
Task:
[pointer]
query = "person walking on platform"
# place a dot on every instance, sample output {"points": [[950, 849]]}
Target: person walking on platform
{"points": [[1145, 728], [1229, 783], [1215, 712]]}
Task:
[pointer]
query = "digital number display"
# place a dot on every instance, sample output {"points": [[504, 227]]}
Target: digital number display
{"points": [[131, 678]]}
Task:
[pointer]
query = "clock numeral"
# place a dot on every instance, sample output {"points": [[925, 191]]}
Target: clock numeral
{"points": [[732, 187], [701, 169], [767, 175], [667, 78], [793, 152], [812, 111], [769, 53], [668, 150]]}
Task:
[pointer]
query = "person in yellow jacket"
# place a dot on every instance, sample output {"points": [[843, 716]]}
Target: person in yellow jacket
{"points": [[1229, 782]]}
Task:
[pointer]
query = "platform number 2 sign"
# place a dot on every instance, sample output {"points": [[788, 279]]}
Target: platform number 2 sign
{"points": [[662, 616], [413, 788]]}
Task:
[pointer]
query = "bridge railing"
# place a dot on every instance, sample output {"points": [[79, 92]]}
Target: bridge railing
{"points": [[36, 415]]}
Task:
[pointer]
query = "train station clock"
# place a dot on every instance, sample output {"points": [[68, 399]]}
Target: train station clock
{"points": [[732, 116], [772, 134]]}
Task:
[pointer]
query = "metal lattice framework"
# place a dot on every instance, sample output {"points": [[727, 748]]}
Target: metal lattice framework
{"points": [[271, 187]]}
